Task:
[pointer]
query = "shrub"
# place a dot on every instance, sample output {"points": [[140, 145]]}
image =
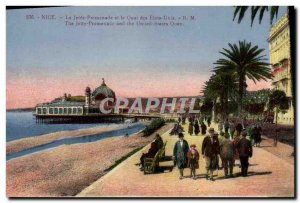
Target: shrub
{"points": [[153, 126], [170, 120]]}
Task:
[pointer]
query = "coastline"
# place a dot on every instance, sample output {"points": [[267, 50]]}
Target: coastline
{"points": [[68, 169], [35, 141]]}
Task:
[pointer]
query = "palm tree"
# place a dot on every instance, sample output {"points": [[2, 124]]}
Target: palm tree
{"points": [[240, 12], [219, 87], [243, 61]]}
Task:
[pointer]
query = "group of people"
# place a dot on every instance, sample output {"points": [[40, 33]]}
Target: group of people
{"points": [[213, 147], [228, 145], [194, 127], [254, 132]]}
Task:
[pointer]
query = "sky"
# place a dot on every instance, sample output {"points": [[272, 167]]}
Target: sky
{"points": [[46, 58]]}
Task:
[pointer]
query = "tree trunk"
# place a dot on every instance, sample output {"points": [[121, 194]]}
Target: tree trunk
{"points": [[276, 130], [214, 111], [241, 94]]}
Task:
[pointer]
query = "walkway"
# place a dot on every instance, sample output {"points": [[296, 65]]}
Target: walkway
{"points": [[269, 176]]}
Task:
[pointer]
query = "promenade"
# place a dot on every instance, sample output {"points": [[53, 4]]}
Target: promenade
{"points": [[269, 176]]}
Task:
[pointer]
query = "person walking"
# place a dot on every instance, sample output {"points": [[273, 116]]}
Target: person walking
{"points": [[245, 151], [193, 160], [251, 133], [191, 128], [226, 126], [196, 127], [238, 129], [208, 121], [220, 126], [216, 146], [227, 155], [257, 135], [231, 129], [236, 152], [209, 152], [179, 154], [203, 128]]}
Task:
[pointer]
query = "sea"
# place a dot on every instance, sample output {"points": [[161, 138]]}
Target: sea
{"points": [[22, 124]]}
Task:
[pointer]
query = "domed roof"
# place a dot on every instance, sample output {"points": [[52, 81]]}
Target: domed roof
{"points": [[103, 90]]}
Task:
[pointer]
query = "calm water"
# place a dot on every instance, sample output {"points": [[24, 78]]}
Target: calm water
{"points": [[130, 129], [22, 124]]}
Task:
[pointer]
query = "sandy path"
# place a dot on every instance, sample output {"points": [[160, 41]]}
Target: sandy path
{"points": [[68, 169], [269, 176]]}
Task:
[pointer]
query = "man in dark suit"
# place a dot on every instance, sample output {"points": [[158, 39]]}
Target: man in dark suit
{"points": [[244, 148], [210, 150]]}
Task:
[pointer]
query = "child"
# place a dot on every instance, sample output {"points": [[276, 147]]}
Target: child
{"points": [[193, 160]]}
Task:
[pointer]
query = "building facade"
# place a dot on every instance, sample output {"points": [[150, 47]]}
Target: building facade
{"points": [[280, 58], [66, 107]]}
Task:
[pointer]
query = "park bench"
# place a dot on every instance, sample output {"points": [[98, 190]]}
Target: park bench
{"points": [[151, 164]]}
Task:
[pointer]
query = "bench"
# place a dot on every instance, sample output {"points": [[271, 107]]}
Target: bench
{"points": [[151, 164]]}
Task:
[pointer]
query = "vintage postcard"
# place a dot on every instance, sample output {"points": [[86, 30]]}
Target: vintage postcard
{"points": [[150, 102]]}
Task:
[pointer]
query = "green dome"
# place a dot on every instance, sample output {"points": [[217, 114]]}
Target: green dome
{"points": [[102, 92]]}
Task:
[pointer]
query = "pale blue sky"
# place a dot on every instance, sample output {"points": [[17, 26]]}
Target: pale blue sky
{"points": [[50, 49]]}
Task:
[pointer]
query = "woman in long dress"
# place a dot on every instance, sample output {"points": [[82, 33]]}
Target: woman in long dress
{"points": [[179, 154], [191, 128]]}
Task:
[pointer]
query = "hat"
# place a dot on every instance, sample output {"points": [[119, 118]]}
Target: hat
{"points": [[192, 145], [211, 130], [180, 135]]}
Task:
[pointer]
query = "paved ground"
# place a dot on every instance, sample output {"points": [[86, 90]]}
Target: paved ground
{"points": [[269, 176]]}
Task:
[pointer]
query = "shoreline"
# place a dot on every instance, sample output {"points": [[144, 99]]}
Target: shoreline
{"points": [[40, 140], [68, 169]]}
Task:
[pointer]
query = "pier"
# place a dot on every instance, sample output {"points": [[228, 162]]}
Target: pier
{"points": [[92, 118]]}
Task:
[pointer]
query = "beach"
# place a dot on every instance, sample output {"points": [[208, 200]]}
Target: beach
{"points": [[68, 169], [30, 142]]}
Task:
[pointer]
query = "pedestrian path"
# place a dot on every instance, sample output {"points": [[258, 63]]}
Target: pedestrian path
{"points": [[269, 176]]}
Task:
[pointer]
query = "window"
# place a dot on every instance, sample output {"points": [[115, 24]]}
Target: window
{"points": [[44, 110], [50, 110], [39, 111], [79, 110], [60, 110], [69, 111], [65, 111], [74, 110], [55, 110]]}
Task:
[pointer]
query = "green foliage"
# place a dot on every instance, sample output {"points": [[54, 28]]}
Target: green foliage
{"points": [[170, 120], [219, 88], [243, 61], [256, 101], [153, 126], [206, 107], [278, 100], [255, 108], [241, 10]]}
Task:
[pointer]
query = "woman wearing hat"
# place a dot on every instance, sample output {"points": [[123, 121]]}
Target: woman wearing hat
{"points": [[179, 153], [193, 160]]}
